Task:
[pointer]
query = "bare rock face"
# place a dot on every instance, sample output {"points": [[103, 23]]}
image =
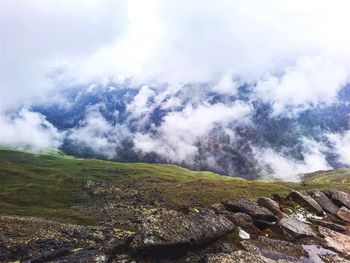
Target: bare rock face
{"points": [[344, 214], [254, 210], [322, 199], [239, 256], [305, 200], [340, 198], [296, 228], [335, 240], [276, 249], [172, 229], [270, 204]]}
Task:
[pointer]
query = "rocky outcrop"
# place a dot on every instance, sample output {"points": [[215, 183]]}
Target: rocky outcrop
{"points": [[344, 214], [322, 199], [253, 209], [340, 198], [296, 228], [270, 204], [305, 200], [172, 229]]}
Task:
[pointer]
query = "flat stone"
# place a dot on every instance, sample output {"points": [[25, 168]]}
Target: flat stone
{"points": [[344, 214], [168, 229], [250, 208], [296, 228], [270, 204], [322, 199], [340, 198], [305, 200], [335, 240]]}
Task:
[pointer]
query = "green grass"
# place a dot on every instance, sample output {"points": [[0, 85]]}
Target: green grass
{"points": [[50, 185]]}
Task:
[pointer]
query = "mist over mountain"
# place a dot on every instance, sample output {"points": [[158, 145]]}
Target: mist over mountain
{"points": [[235, 87], [199, 128]]}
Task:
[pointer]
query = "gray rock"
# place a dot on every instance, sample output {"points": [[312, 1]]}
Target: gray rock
{"points": [[322, 199], [305, 200], [239, 256], [330, 225], [296, 228], [172, 229], [219, 208], [270, 204], [332, 258], [340, 198], [344, 214], [250, 208], [335, 240], [244, 221], [276, 249]]}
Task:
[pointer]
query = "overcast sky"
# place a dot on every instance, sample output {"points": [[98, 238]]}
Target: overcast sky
{"points": [[285, 46]]}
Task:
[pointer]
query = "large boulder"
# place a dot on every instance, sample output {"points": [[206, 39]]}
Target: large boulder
{"points": [[270, 204], [250, 208], [335, 240], [340, 198], [296, 228], [305, 200], [344, 214], [170, 229], [322, 199]]}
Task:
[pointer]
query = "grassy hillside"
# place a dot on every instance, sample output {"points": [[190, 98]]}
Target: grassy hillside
{"points": [[52, 186]]}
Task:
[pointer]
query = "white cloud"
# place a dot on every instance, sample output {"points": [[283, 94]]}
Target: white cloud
{"points": [[98, 134], [29, 130], [309, 82], [341, 145], [288, 169], [180, 131], [140, 104]]}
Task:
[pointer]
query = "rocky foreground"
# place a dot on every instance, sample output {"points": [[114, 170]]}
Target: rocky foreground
{"points": [[312, 226]]}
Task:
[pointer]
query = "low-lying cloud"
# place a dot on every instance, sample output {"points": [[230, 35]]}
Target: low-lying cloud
{"points": [[189, 60]]}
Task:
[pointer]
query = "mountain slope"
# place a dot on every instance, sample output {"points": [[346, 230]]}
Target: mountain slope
{"points": [[93, 191]]}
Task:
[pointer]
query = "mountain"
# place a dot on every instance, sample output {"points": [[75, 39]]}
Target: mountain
{"points": [[200, 129], [58, 208]]}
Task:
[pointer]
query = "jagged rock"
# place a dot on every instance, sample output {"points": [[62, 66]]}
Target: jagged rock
{"points": [[270, 204], [244, 221], [250, 208], [239, 256], [340, 198], [344, 214], [276, 249], [170, 229], [335, 240], [304, 199], [296, 228], [330, 225], [322, 199]]}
